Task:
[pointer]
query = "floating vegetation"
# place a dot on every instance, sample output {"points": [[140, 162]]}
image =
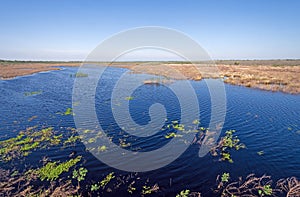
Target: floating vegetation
{"points": [[149, 190], [131, 188], [172, 134], [107, 179], [33, 93], [129, 98], [183, 193], [225, 145], [79, 174], [260, 152], [79, 74], [123, 143], [26, 141], [52, 170], [102, 148], [225, 177], [72, 140], [69, 111], [196, 122], [31, 118], [253, 186]]}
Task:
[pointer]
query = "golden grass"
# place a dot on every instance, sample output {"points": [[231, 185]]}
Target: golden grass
{"points": [[279, 75]]}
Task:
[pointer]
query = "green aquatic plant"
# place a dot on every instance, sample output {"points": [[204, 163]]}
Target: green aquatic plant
{"points": [[266, 190], [52, 170], [225, 177], [183, 193], [251, 186], [95, 187], [102, 148], [227, 144], [72, 139], [107, 179], [129, 98], [80, 74], [196, 122], [131, 188], [69, 111], [79, 174], [179, 127], [260, 152], [26, 141], [33, 93], [172, 134]]}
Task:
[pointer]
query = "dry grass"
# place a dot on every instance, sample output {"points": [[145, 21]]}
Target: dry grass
{"points": [[11, 69], [273, 78], [272, 75]]}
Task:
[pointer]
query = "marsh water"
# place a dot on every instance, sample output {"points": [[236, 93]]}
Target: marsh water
{"points": [[264, 121]]}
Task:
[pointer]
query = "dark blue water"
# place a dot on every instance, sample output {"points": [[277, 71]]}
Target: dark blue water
{"points": [[265, 121]]}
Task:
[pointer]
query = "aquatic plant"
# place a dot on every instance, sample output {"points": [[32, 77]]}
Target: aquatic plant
{"points": [[196, 122], [260, 152], [79, 175], [129, 98], [225, 145], [266, 190], [79, 74], [69, 111], [95, 187], [183, 193], [131, 188], [52, 170], [148, 190], [107, 179], [72, 139], [251, 186], [225, 177], [102, 148], [26, 141], [32, 93]]}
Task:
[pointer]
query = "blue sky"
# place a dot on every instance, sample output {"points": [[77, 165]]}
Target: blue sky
{"points": [[226, 29]]}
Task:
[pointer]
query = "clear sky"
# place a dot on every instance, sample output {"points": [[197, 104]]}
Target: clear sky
{"points": [[227, 29]]}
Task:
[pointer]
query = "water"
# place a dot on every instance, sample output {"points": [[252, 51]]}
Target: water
{"points": [[265, 121]]}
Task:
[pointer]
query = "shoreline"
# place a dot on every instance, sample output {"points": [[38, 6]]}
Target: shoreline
{"points": [[270, 75]]}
